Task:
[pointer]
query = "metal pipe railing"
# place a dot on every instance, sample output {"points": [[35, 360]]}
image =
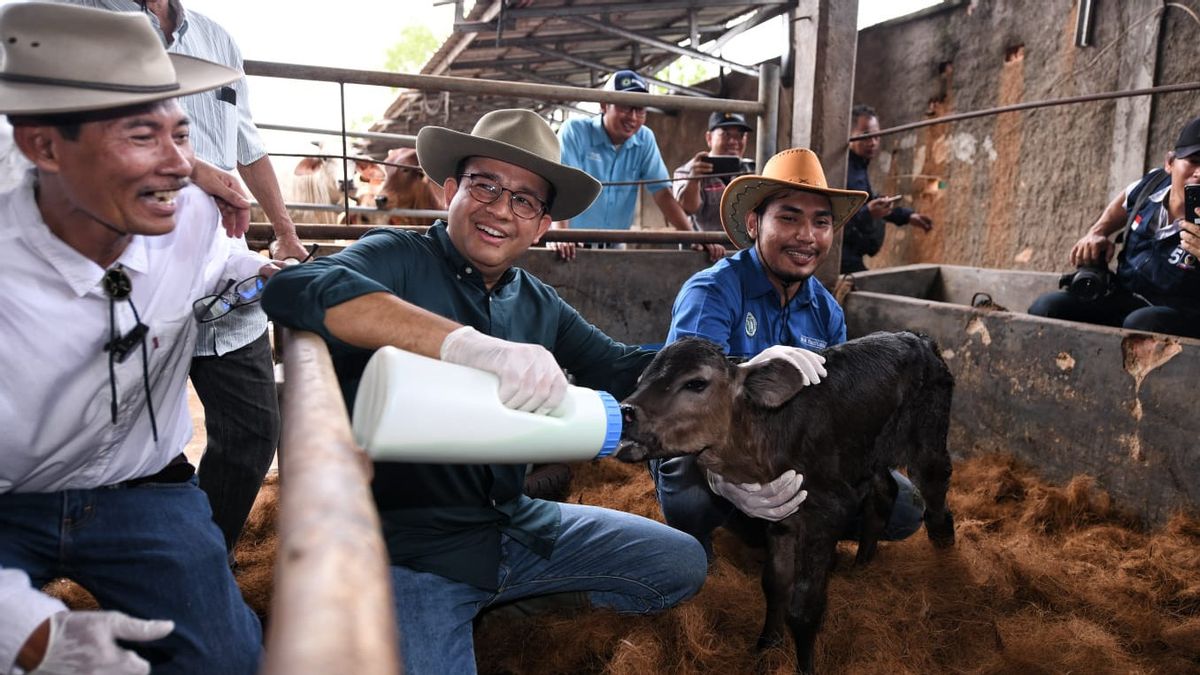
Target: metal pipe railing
{"points": [[543, 92], [260, 233], [411, 213], [401, 140], [1029, 105], [332, 609]]}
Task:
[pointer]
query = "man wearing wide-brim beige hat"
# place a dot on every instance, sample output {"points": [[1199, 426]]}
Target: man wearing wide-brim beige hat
{"points": [[108, 254], [756, 303], [454, 294]]}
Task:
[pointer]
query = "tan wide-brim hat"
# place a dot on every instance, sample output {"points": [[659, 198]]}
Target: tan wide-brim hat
{"points": [[63, 59], [519, 137], [795, 169]]}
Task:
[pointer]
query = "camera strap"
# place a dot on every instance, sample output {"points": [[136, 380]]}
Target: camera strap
{"points": [[1153, 183]]}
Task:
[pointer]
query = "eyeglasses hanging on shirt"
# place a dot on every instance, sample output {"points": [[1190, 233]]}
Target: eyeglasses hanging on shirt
{"points": [[118, 287], [235, 294]]}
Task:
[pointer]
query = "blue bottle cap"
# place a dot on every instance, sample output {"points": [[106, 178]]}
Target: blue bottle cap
{"points": [[612, 411]]}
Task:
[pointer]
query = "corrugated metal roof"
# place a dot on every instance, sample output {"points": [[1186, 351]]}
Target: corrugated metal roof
{"points": [[569, 42]]}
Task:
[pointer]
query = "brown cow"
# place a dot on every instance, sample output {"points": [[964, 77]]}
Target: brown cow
{"points": [[884, 403], [405, 186]]}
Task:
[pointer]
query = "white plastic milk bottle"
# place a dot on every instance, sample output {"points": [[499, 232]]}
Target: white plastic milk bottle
{"points": [[410, 408]]}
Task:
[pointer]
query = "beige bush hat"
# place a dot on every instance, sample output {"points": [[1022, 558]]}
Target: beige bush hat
{"points": [[62, 59], [518, 137], [796, 169]]}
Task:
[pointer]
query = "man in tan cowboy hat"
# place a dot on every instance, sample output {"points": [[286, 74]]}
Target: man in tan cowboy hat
{"points": [[463, 537], [107, 254], [753, 302]]}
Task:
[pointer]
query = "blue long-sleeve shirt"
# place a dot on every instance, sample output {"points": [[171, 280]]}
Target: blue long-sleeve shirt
{"points": [[733, 304], [447, 519]]}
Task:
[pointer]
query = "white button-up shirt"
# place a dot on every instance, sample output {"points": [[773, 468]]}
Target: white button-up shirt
{"points": [[55, 396]]}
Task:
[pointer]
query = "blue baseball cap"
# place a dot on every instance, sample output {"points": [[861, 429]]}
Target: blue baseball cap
{"points": [[627, 80]]}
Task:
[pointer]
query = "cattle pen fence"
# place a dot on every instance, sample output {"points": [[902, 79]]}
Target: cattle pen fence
{"points": [[766, 109]]}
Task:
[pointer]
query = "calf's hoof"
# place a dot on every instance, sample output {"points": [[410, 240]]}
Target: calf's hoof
{"points": [[940, 530], [766, 642]]}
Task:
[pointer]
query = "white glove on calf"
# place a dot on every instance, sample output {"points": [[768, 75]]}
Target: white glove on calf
{"points": [[86, 642], [770, 501], [530, 379], [808, 363]]}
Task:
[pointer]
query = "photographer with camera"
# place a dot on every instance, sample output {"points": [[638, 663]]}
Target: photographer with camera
{"points": [[697, 188], [1156, 287]]}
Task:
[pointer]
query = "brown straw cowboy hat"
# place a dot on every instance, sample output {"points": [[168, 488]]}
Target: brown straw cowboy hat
{"points": [[518, 137], [795, 169], [65, 59]]}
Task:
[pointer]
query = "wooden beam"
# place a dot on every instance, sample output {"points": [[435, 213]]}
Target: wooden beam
{"points": [[324, 619]]}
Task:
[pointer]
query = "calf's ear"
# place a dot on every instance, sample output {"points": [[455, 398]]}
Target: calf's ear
{"points": [[770, 384]]}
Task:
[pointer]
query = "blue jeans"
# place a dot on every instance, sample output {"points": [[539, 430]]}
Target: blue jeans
{"points": [[150, 551], [241, 418], [623, 562], [689, 505]]}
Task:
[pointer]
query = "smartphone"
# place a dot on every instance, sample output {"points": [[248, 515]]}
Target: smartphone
{"points": [[1191, 202], [725, 163]]}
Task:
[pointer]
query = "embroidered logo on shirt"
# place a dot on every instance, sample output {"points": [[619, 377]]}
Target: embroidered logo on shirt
{"points": [[751, 324], [812, 343]]}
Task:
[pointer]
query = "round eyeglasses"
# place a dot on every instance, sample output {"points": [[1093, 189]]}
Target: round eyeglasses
{"points": [[485, 190]]}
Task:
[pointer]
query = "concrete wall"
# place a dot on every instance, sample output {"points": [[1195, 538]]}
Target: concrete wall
{"points": [[626, 294], [1067, 398], [1014, 191]]}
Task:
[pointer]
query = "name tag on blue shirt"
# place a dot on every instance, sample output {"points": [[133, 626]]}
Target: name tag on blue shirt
{"points": [[811, 343]]}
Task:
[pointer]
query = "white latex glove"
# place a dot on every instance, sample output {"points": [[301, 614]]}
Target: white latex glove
{"points": [[810, 364], [86, 643], [770, 501], [530, 379]]}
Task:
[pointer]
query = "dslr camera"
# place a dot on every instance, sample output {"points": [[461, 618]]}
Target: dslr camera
{"points": [[1089, 282]]}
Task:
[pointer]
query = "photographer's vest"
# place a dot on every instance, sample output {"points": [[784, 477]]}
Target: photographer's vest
{"points": [[1144, 266]]}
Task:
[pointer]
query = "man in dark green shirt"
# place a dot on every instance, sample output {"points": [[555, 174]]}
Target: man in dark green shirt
{"points": [[464, 537]]}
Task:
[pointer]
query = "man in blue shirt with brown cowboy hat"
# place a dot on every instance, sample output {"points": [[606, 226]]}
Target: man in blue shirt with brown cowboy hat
{"points": [[753, 302]]}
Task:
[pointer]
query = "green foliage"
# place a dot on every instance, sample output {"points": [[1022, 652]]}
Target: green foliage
{"points": [[417, 43], [363, 123], [687, 71]]}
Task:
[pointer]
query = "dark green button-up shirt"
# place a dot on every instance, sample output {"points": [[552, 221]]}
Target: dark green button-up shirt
{"points": [[445, 518]]}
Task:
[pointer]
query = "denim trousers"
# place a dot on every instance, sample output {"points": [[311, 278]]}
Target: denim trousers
{"points": [[151, 551], [241, 418], [621, 561], [689, 505]]}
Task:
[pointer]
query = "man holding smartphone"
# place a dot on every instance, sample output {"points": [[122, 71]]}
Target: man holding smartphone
{"points": [[702, 180], [1157, 287], [864, 233]]}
